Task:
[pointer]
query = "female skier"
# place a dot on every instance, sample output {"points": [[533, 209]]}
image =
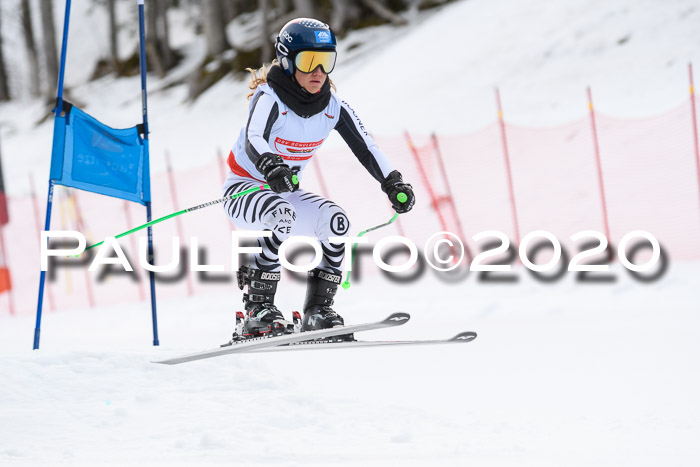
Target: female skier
{"points": [[291, 113]]}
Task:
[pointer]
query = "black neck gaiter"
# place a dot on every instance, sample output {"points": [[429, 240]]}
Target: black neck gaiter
{"points": [[297, 98]]}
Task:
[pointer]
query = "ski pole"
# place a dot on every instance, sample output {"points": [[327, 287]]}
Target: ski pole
{"points": [[194, 208], [402, 198]]}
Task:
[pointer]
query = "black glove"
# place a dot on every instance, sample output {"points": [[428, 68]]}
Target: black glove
{"points": [[277, 174], [400, 194]]}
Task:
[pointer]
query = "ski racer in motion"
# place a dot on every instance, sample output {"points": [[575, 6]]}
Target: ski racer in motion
{"points": [[293, 108]]}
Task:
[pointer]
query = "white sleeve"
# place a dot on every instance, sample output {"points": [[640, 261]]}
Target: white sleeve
{"points": [[264, 111]]}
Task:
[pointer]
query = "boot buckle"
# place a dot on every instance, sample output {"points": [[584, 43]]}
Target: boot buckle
{"points": [[260, 285], [258, 298]]}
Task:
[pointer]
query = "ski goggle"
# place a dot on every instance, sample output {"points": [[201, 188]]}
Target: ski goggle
{"points": [[307, 61]]}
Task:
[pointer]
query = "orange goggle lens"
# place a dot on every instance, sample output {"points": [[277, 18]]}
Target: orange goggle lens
{"points": [[307, 61]]}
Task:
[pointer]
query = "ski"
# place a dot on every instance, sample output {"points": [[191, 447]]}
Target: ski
{"points": [[395, 319], [460, 338]]}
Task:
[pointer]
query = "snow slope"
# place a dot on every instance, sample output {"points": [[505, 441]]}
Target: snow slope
{"points": [[567, 375], [561, 374]]}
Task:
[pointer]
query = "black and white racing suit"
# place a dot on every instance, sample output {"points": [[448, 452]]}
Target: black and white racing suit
{"points": [[274, 128]]}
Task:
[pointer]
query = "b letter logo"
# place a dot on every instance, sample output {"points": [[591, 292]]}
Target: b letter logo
{"points": [[340, 224]]}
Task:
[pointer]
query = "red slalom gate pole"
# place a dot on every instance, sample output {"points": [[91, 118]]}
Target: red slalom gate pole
{"points": [[82, 228], [37, 222], [695, 123], [434, 201], [134, 247], [10, 298], [599, 165], [426, 181], [453, 205], [178, 222], [509, 175]]}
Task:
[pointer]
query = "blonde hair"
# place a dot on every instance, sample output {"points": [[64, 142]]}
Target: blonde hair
{"points": [[259, 76]]}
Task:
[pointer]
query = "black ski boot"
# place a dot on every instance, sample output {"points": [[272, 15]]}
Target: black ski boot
{"points": [[321, 287], [261, 314]]}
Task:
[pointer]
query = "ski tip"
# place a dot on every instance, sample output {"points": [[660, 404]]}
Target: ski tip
{"points": [[397, 319], [466, 336]]}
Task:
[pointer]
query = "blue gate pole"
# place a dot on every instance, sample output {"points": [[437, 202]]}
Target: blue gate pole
{"points": [[144, 107], [152, 276], [49, 197], [42, 277], [64, 51], [142, 62]]}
